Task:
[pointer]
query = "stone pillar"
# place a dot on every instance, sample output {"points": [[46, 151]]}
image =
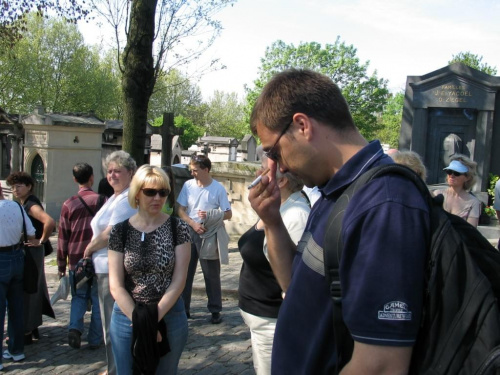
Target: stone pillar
{"points": [[15, 165]]}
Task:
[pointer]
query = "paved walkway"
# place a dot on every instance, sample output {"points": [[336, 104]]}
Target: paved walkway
{"points": [[211, 349]]}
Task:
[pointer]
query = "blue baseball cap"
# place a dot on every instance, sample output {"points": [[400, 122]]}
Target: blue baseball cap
{"points": [[456, 166]]}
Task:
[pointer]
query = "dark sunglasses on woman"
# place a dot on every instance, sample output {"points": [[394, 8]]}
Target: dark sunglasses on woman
{"points": [[454, 173], [152, 192]]}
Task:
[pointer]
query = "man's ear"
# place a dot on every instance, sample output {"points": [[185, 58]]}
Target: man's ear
{"points": [[304, 124]]}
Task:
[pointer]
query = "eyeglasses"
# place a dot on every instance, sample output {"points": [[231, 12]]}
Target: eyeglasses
{"points": [[456, 174], [152, 192], [271, 154], [18, 186]]}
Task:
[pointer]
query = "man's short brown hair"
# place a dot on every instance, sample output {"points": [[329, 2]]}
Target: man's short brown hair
{"points": [[300, 91]]}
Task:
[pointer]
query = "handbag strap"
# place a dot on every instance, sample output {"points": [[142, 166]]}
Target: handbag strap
{"points": [[24, 223], [173, 225], [86, 205]]}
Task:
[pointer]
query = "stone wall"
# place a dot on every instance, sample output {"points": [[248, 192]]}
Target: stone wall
{"points": [[236, 176]]}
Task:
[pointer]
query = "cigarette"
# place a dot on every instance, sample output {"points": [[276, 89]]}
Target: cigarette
{"points": [[257, 180]]}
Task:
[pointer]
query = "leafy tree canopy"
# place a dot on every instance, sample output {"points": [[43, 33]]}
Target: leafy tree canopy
{"points": [[390, 120], [13, 21], [474, 61], [366, 94], [225, 116], [51, 66], [173, 92]]}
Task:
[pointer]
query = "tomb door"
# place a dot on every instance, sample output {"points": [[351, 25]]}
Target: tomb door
{"points": [[38, 173], [451, 131]]}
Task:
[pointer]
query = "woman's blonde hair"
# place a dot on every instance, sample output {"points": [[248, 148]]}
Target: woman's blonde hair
{"points": [[471, 174], [412, 160], [147, 174]]}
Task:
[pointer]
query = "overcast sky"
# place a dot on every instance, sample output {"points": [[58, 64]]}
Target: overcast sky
{"points": [[399, 37]]}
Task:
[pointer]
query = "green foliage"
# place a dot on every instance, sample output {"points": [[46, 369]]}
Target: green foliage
{"points": [[52, 67], [14, 20], [390, 120], [225, 116], [365, 94], [174, 93], [191, 131], [474, 61], [491, 188]]}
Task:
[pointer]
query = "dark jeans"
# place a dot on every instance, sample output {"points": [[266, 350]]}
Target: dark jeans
{"points": [[211, 274], [12, 297], [79, 298]]}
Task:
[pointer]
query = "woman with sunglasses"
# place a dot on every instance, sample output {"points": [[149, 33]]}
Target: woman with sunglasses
{"points": [[457, 197], [120, 169], [148, 261]]}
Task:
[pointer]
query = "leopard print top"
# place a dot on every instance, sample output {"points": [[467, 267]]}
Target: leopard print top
{"points": [[149, 264]]}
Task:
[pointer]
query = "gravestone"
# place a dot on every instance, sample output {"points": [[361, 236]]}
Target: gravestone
{"points": [[453, 110], [168, 130]]}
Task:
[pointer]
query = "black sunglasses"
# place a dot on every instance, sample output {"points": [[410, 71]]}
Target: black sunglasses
{"points": [[152, 192], [271, 154], [456, 174]]}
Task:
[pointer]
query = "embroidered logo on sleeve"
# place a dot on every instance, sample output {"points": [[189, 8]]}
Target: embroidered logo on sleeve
{"points": [[395, 310]]}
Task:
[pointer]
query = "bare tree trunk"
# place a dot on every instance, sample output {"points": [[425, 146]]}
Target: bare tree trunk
{"points": [[138, 77]]}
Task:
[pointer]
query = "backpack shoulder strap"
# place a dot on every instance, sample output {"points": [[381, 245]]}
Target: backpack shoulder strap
{"points": [[91, 212], [333, 246]]}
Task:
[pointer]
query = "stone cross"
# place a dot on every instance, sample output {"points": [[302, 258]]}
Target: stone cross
{"points": [[167, 131]]}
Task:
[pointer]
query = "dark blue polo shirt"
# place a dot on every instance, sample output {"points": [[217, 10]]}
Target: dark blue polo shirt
{"points": [[385, 230]]}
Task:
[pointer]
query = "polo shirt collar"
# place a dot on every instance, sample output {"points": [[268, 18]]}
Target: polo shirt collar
{"points": [[365, 159]]}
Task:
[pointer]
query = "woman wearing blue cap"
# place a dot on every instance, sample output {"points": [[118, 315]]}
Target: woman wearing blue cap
{"points": [[457, 197]]}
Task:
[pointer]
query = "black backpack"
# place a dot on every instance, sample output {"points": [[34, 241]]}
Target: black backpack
{"points": [[460, 327]]}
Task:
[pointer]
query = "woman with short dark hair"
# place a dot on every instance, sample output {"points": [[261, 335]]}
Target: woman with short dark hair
{"points": [[38, 303]]}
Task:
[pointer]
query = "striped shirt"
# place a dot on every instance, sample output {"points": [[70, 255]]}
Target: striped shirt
{"points": [[75, 232]]}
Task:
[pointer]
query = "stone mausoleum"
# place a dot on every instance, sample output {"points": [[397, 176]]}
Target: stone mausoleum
{"points": [[453, 110]]}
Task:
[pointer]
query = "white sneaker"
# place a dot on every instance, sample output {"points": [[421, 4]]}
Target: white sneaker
{"points": [[14, 357]]}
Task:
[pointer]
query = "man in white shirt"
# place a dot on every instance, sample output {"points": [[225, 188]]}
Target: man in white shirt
{"points": [[198, 196]]}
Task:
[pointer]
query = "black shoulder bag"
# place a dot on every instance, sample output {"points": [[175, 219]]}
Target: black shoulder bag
{"points": [[30, 278]]}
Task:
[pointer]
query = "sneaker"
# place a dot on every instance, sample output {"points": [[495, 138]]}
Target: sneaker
{"points": [[216, 318], [14, 357], [74, 339]]}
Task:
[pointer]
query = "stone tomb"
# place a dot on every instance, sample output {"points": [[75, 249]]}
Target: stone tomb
{"points": [[453, 110]]}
